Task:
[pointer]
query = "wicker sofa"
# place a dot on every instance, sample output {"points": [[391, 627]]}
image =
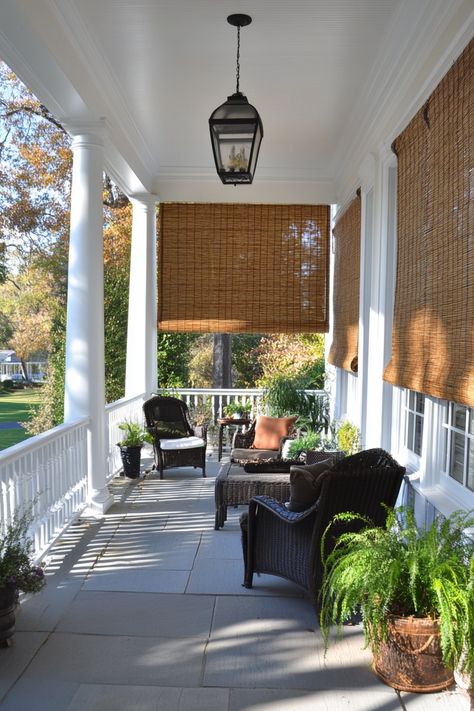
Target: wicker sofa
{"points": [[243, 449], [280, 542]]}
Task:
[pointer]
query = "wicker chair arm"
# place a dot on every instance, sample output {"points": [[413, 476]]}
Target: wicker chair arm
{"points": [[284, 440], [279, 509], [243, 440], [201, 431]]}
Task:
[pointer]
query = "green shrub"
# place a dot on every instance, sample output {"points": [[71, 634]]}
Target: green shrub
{"points": [[348, 437], [312, 440], [284, 396]]}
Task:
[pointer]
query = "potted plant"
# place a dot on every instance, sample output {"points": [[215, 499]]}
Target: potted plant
{"points": [[284, 396], [303, 444], [238, 410], [414, 588], [18, 572], [131, 445], [348, 437]]}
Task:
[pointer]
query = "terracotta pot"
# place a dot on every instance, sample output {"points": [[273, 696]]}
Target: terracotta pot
{"points": [[411, 660], [8, 598]]}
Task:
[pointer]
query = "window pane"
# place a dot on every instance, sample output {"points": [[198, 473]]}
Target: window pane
{"points": [[446, 436], [447, 412], [470, 465], [411, 400], [420, 403], [471, 421], [410, 430], [459, 417], [418, 434], [457, 457]]}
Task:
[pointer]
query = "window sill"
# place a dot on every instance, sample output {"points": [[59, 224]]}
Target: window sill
{"points": [[441, 499]]}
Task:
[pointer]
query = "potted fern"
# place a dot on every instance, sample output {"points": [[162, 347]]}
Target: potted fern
{"points": [[414, 588], [131, 445]]}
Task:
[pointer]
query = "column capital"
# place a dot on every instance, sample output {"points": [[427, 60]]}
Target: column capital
{"points": [[146, 200], [367, 172], [86, 133], [386, 155]]}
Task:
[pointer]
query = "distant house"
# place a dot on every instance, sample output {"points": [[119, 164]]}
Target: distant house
{"points": [[11, 367]]}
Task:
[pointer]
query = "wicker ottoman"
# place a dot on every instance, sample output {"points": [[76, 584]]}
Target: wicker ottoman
{"points": [[234, 486]]}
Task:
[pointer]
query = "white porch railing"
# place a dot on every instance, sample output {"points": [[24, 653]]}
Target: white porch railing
{"points": [[50, 472], [219, 397]]}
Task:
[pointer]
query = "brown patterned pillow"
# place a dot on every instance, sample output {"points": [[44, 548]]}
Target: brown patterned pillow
{"points": [[304, 484]]}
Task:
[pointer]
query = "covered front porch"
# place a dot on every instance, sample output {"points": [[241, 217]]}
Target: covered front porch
{"points": [[144, 609], [144, 606]]}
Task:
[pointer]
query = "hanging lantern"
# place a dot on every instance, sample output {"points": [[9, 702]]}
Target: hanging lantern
{"points": [[236, 129]]}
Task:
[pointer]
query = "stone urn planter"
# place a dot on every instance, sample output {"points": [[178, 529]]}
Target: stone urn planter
{"points": [[411, 658]]}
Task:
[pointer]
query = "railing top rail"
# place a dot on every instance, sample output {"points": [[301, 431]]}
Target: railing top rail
{"points": [[225, 391], [123, 401]]}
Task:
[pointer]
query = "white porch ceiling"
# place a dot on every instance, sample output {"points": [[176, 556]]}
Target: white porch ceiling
{"points": [[318, 72]]}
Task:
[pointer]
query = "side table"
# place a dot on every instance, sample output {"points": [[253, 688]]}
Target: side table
{"points": [[229, 422]]}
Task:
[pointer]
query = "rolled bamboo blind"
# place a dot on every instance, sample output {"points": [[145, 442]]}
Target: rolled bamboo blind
{"points": [[237, 268], [344, 347], [433, 329]]}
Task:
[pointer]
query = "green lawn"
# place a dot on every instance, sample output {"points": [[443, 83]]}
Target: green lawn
{"points": [[16, 407]]}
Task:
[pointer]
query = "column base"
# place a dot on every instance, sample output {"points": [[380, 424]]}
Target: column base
{"points": [[98, 503]]}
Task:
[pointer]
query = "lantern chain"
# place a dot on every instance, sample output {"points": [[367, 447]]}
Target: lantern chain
{"points": [[238, 58]]}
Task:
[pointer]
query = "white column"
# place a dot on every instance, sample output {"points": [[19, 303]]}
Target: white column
{"points": [[85, 381], [141, 370], [369, 280]]}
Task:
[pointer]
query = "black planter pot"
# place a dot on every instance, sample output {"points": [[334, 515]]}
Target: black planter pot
{"points": [[8, 598], [131, 460]]}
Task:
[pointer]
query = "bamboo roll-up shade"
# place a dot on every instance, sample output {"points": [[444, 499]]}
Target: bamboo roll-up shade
{"points": [[237, 268], [344, 347], [433, 329]]}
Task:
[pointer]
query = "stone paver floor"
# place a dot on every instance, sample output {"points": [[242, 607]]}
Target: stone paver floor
{"points": [[144, 610]]}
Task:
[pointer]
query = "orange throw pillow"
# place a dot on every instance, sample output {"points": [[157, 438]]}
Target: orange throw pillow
{"points": [[270, 430]]}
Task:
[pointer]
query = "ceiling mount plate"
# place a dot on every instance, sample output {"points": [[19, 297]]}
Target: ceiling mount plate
{"points": [[239, 20]]}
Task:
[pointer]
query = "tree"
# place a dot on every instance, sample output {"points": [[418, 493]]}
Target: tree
{"points": [[201, 362], [174, 353], [292, 355], [246, 369], [35, 185], [117, 231]]}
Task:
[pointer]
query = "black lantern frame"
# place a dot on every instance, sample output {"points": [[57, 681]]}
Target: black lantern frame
{"points": [[236, 129]]}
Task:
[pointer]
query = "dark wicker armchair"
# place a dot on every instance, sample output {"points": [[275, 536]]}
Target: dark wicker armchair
{"points": [[175, 443], [287, 544]]}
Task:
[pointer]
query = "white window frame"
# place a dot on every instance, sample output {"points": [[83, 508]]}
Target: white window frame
{"points": [[427, 472], [409, 436], [457, 489]]}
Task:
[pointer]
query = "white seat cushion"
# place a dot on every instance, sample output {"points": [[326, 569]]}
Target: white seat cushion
{"points": [[182, 443]]}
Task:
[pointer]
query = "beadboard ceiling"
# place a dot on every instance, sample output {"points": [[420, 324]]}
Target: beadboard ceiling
{"points": [[154, 70]]}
